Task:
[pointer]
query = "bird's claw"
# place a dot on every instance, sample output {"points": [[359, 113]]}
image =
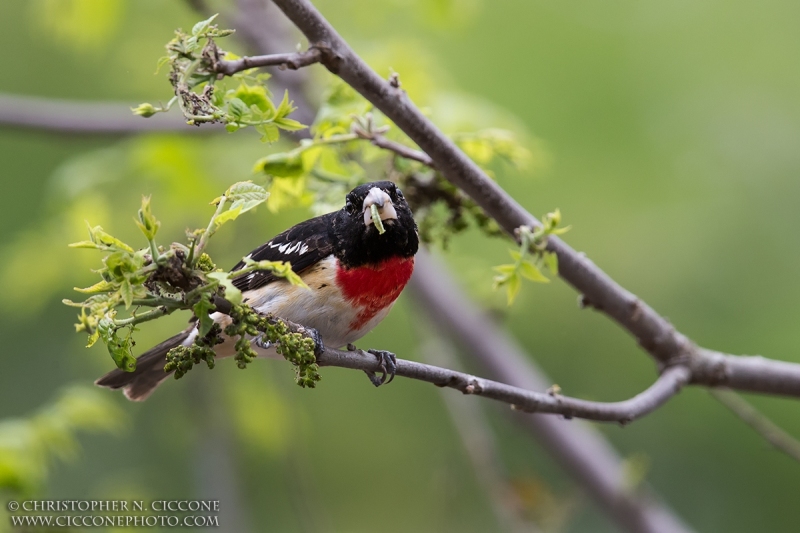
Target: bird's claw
{"points": [[388, 366], [319, 346], [262, 343]]}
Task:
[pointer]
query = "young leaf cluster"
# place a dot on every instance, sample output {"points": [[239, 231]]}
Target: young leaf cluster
{"points": [[155, 281], [203, 96], [531, 256], [352, 143]]}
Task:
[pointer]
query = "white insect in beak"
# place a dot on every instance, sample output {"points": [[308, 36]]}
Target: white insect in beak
{"points": [[382, 202]]}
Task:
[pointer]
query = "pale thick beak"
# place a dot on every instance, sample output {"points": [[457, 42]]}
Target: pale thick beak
{"points": [[379, 198]]}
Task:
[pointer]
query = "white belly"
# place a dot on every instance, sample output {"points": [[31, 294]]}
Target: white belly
{"points": [[321, 307]]}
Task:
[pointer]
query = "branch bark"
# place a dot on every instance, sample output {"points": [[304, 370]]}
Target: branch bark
{"points": [[292, 61], [667, 385], [652, 331]]}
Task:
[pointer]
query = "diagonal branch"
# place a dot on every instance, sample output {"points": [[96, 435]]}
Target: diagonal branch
{"points": [[653, 332]]}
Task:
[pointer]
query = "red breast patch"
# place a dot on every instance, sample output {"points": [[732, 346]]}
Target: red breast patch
{"points": [[372, 288]]}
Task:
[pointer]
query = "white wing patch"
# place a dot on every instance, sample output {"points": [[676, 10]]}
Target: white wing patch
{"points": [[291, 247]]}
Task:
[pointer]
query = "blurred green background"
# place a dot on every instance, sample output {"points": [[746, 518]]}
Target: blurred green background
{"points": [[672, 140]]}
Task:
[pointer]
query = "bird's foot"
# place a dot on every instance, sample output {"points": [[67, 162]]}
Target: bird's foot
{"points": [[262, 343], [314, 335], [388, 366]]}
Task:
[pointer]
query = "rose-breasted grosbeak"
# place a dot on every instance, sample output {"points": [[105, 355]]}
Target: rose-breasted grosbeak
{"points": [[353, 272]]}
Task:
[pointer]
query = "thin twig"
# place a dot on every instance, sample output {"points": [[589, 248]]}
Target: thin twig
{"points": [[402, 150], [292, 61], [762, 425]]}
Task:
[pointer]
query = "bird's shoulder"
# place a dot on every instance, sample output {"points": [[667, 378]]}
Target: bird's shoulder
{"points": [[303, 246]]}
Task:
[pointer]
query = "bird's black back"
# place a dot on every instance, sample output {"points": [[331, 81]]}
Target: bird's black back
{"points": [[303, 245]]}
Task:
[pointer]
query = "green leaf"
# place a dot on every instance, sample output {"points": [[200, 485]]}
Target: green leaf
{"points": [[247, 195], [532, 272], [232, 294], [237, 108], [289, 124], [231, 214], [121, 263], [285, 106], [284, 164], [119, 349], [146, 221], [86, 244], [256, 95], [282, 269], [551, 260], [201, 310], [107, 241], [126, 291], [505, 269], [93, 339], [99, 287], [513, 287], [203, 25], [269, 133]]}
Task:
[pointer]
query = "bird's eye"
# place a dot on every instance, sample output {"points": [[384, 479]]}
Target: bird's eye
{"points": [[350, 207], [399, 193]]}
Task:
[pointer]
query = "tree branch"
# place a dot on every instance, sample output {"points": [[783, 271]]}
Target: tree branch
{"points": [[292, 61], [64, 116], [400, 149], [667, 385], [653, 332]]}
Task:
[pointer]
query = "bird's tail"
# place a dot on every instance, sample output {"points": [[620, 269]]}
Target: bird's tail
{"points": [[149, 373]]}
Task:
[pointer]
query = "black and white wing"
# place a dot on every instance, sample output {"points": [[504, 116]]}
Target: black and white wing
{"points": [[303, 246]]}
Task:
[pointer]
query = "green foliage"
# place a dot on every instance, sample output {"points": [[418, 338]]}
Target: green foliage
{"points": [[530, 257], [351, 144], [194, 60], [342, 151], [29, 445], [183, 277]]}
